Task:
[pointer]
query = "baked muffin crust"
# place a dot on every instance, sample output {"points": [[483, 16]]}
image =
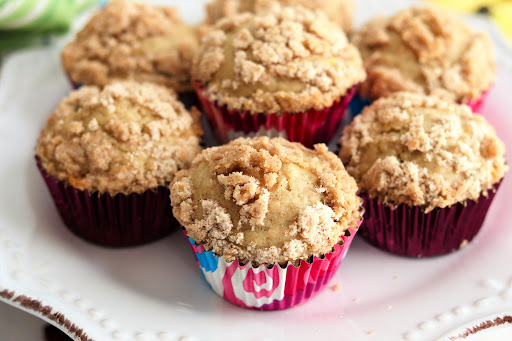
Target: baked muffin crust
{"points": [[266, 200], [422, 151], [289, 59], [339, 11], [427, 51], [133, 41], [127, 138]]}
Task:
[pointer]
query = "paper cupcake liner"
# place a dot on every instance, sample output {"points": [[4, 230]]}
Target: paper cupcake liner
{"points": [[119, 221], [273, 288], [477, 104], [308, 128], [358, 103], [408, 231]]}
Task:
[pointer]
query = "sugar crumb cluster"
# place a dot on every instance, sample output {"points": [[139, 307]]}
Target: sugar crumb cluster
{"points": [[126, 138], [284, 60], [235, 204], [439, 55], [422, 151]]}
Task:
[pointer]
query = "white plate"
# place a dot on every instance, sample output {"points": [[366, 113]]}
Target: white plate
{"points": [[156, 292], [497, 327]]}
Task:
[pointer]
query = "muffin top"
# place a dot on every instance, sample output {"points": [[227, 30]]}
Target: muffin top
{"points": [[133, 41], [266, 200], [339, 11], [289, 59], [427, 51], [422, 151], [127, 138]]}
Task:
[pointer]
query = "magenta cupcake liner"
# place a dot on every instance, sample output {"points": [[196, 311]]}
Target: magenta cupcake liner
{"points": [[118, 221], [308, 128], [273, 288], [409, 231], [477, 103]]}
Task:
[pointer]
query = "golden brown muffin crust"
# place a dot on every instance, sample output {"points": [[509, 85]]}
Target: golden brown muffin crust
{"points": [[427, 51], [422, 151], [133, 41], [286, 60], [339, 11], [127, 138], [266, 200]]}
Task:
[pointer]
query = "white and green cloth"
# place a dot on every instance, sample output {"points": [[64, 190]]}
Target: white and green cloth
{"points": [[27, 22]]}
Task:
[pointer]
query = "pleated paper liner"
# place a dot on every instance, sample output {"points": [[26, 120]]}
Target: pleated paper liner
{"points": [[118, 221], [409, 231], [270, 288], [308, 128], [478, 103], [358, 103]]}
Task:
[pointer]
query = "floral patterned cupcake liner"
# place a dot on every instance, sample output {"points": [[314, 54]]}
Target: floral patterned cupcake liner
{"points": [[273, 288], [308, 128], [358, 103], [119, 221], [409, 231]]}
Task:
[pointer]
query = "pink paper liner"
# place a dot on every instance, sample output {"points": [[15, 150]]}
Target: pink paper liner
{"points": [[308, 128], [119, 221], [289, 286], [477, 103], [408, 231]]}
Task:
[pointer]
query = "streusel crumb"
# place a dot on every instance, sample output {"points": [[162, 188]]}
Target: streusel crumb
{"points": [[339, 11], [422, 151], [427, 51], [266, 200], [133, 41], [127, 138], [289, 59]]}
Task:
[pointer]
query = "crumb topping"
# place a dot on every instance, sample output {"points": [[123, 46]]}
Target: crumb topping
{"points": [[127, 138], [422, 151], [289, 59], [133, 41], [339, 11], [427, 51], [266, 200]]}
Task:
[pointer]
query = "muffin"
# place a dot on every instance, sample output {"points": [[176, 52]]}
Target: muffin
{"points": [[270, 211], [427, 169], [340, 12], [132, 41], [289, 72], [427, 51], [109, 155]]}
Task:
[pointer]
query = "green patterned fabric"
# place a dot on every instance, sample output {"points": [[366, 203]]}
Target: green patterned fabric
{"points": [[28, 22]]}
